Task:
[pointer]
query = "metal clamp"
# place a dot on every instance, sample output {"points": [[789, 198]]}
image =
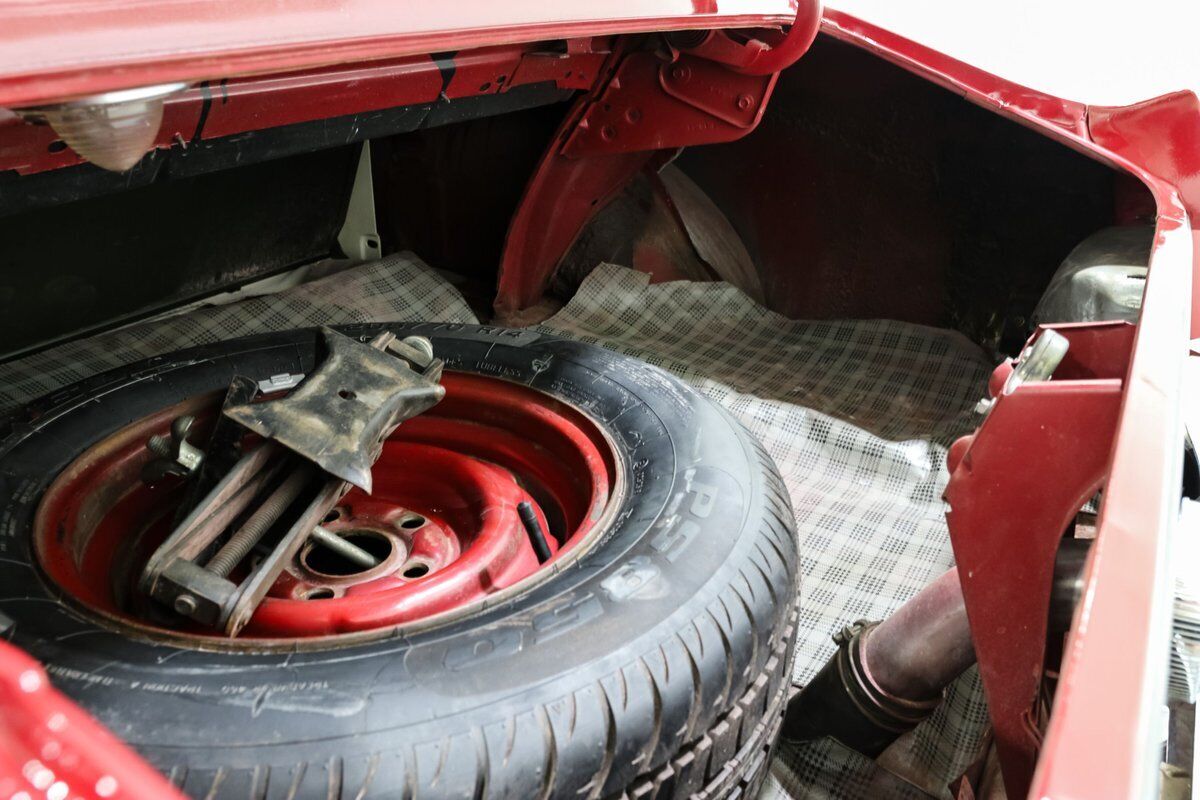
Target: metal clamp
{"points": [[174, 454]]}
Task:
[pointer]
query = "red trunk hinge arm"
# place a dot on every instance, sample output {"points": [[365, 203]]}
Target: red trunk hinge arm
{"points": [[646, 105]]}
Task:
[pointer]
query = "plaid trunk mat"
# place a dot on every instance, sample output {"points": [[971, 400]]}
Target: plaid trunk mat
{"points": [[857, 415]]}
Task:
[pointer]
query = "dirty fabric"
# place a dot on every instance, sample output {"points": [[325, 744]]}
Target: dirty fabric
{"points": [[399, 288], [857, 415]]}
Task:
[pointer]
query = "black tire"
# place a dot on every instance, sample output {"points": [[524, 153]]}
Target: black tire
{"points": [[656, 666]]}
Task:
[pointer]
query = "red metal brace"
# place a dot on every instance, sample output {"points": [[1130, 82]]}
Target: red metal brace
{"points": [[645, 106], [1015, 486], [50, 747]]}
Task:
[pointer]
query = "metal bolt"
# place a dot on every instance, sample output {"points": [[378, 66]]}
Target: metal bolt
{"points": [[744, 101], [347, 550], [420, 344], [179, 456], [243, 541], [185, 604]]}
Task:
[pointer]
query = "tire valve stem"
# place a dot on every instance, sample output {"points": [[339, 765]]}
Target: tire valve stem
{"points": [[533, 527]]}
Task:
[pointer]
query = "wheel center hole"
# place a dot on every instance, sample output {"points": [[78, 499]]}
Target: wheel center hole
{"points": [[324, 561]]}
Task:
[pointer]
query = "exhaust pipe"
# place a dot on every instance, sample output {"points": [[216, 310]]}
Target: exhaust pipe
{"points": [[886, 677]]}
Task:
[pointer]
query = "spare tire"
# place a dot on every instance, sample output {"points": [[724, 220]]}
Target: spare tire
{"points": [[655, 665]]}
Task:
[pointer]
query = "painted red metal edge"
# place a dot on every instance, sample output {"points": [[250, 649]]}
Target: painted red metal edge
{"points": [[49, 747], [239, 105], [1103, 659], [1015, 486], [637, 118], [642, 109], [57, 49], [1102, 737], [1161, 135]]}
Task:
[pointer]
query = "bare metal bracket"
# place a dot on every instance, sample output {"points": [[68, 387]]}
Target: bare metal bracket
{"points": [[340, 415]]}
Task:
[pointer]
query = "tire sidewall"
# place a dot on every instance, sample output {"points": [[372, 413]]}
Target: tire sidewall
{"points": [[693, 491]]}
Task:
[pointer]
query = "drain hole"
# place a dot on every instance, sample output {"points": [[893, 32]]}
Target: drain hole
{"points": [[324, 561], [416, 570], [413, 522], [322, 593], [332, 516]]}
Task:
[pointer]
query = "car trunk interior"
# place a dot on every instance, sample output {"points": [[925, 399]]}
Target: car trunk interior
{"points": [[866, 192], [842, 279]]}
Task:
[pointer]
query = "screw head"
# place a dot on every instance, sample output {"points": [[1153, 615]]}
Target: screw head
{"points": [[680, 72], [744, 101], [185, 604], [608, 133], [420, 344]]}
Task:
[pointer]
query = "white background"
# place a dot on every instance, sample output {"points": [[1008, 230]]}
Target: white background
{"points": [[1099, 52]]}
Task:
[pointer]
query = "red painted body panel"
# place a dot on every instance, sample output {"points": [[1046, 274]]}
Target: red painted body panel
{"points": [[1162, 136], [1015, 486], [1104, 732], [158, 42], [1100, 739], [638, 118], [247, 104], [646, 107], [51, 748]]}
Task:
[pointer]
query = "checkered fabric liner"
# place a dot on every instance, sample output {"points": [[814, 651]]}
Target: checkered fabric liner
{"points": [[857, 415], [399, 288]]}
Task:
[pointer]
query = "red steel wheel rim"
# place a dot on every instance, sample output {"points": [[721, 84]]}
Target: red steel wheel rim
{"points": [[442, 519]]}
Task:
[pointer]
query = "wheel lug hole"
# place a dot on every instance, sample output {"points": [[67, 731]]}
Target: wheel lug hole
{"points": [[415, 569], [410, 522]]}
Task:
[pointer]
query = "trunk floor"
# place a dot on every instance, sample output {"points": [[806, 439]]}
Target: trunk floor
{"points": [[858, 416]]}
